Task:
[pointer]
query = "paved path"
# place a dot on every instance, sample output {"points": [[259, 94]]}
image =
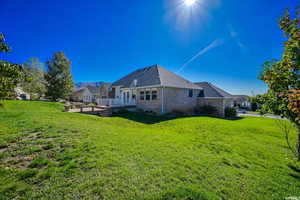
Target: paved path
{"points": [[258, 115]]}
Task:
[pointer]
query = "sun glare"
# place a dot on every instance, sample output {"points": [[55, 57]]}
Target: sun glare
{"points": [[189, 2]]}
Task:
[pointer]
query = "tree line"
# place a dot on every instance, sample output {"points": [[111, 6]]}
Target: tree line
{"points": [[53, 83]]}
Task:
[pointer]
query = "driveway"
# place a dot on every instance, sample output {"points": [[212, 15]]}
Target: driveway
{"points": [[258, 115]]}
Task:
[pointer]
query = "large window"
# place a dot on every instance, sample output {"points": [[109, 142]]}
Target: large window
{"points": [[148, 96], [154, 94], [190, 93], [142, 95]]}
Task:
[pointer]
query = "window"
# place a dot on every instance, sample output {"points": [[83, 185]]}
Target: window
{"points": [[201, 93], [142, 95], [148, 96], [154, 94], [190, 93]]}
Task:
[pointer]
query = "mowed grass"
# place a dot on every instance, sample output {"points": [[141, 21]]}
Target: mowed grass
{"points": [[49, 154]]}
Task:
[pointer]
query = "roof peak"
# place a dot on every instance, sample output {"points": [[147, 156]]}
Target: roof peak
{"points": [[155, 75]]}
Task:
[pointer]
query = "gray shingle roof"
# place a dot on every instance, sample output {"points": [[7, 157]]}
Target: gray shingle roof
{"points": [[93, 89], [241, 97], [154, 76], [210, 90]]}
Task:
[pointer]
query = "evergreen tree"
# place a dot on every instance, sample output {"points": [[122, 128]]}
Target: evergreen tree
{"points": [[59, 83]]}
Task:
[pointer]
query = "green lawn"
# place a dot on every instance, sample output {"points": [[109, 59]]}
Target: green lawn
{"points": [[48, 154]]}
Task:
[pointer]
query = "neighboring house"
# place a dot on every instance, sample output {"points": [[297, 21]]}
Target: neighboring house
{"points": [[88, 94], [214, 96], [158, 90], [105, 90], [242, 101], [77, 95], [21, 95]]}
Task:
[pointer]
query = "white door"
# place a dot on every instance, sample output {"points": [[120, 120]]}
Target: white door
{"points": [[126, 97]]}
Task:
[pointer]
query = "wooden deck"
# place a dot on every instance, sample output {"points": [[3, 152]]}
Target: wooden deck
{"points": [[104, 111], [93, 110]]}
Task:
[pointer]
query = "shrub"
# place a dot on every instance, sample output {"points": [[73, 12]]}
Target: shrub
{"points": [[254, 106], [177, 112], [206, 109], [230, 112], [120, 111], [139, 110]]}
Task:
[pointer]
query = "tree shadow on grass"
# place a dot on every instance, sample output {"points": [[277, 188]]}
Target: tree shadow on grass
{"points": [[296, 171], [146, 118]]}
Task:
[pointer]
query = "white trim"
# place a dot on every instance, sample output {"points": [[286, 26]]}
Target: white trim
{"points": [[161, 86], [215, 97], [191, 88], [162, 100]]}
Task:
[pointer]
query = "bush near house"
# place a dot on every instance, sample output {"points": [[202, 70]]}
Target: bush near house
{"points": [[230, 112], [206, 110]]}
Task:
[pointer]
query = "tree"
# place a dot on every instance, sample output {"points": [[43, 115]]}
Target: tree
{"points": [[34, 69], [10, 74], [283, 76], [3, 46], [59, 83]]}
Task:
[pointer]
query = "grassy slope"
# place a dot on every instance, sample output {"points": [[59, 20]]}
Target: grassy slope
{"points": [[48, 154]]}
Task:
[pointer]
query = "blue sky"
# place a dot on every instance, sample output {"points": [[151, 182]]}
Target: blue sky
{"points": [[221, 41]]}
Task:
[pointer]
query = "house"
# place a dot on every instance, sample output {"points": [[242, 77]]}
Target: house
{"points": [[77, 95], [242, 101], [88, 94], [159, 90], [20, 94]]}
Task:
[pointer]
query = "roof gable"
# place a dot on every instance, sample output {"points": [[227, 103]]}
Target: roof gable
{"points": [[154, 76], [93, 89], [210, 90], [142, 77]]}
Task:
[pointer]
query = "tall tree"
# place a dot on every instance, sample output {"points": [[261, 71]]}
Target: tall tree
{"points": [[283, 76], [58, 77], [37, 86], [3, 46], [10, 74]]}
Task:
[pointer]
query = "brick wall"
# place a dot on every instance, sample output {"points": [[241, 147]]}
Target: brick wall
{"points": [[174, 99], [218, 103], [178, 99], [149, 105]]}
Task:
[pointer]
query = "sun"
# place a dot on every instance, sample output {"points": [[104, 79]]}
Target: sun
{"points": [[189, 2]]}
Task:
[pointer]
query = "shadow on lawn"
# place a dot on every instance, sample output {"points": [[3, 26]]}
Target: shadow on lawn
{"points": [[153, 119]]}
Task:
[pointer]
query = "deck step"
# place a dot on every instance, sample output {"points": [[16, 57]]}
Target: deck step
{"points": [[106, 112]]}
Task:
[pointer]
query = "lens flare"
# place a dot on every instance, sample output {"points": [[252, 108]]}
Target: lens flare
{"points": [[189, 2]]}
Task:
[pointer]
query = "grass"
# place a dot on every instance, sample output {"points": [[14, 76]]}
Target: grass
{"points": [[49, 154]]}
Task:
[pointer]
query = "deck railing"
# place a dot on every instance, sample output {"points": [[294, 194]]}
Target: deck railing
{"points": [[114, 102]]}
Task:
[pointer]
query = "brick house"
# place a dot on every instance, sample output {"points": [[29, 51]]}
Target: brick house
{"points": [[161, 91]]}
